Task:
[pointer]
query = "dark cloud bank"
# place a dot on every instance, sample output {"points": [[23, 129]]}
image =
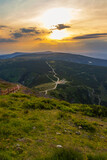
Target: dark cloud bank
{"points": [[22, 32], [3, 40], [90, 36]]}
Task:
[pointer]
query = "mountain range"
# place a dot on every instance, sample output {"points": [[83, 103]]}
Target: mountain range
{"points": [[58, 56]]}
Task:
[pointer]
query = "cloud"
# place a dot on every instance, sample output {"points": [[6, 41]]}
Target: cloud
{"points": [[62, 26], [30, 30], [90, 36], [38, 39], [4, 27], [3, 40], [17, 35]]}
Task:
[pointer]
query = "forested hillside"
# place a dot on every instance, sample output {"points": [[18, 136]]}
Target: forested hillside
{"points": [[84, 83]]}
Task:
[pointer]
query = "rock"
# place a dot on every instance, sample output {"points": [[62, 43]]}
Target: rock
{"points": [[7, 147], [101, 125], [59, 146], [19, 149], [102, 137], [80, 127], [21, 139], [90, 137], [26, 111], [78, 133], [39, 140], [17, 145], [34, 128], [24, 140], [58, 133], [65, 131]]}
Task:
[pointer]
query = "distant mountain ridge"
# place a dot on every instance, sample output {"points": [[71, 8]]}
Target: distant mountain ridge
{"points": [[48, 55]]}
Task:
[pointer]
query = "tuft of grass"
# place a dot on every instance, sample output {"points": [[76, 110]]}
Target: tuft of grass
{"points": [[4, 103], [66, 154], [63, 115], [4, 156], [97, 156]]}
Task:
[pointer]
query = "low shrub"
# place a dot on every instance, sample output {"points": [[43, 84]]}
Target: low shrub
{"points": [[4, 156], [28, 105], [94, 110], [66, 154], [85, 125], [4, 103], [41, 105], [65, 108], [63, 115], [97, 157], [19, 95]]}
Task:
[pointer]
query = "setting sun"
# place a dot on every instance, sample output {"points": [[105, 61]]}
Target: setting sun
{"points": [[58, 35], [56, 16]]}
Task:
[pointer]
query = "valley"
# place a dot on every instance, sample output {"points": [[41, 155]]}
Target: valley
{"points": [[69, 81]]}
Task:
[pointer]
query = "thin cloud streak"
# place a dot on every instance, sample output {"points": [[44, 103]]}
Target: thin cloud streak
{"points": [[4, 40], [90, 36]]}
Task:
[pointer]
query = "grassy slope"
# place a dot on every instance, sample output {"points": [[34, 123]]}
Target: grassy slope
{"points": [[44, 86], [31, 128]]}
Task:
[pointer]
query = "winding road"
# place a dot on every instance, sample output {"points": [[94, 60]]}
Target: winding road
{"points": [[58, 81]]}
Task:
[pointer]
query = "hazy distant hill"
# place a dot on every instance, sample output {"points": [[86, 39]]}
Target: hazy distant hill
{"points": [[57, 56]]}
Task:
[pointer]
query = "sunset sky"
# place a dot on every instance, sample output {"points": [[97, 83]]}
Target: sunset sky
{"points": [[74, 26]]}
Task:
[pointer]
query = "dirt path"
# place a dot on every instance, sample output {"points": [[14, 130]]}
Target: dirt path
{"points": [[57, 82]]}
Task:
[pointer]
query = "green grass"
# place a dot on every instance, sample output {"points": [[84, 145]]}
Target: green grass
{"points": [[31, 128], [43, 87]]}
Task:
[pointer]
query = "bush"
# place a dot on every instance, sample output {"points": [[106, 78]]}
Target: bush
{"points": [[65, 108], [4, 103], [97, 157], [4, 156], [5, 131], [85, 125], [94, 110], [41, 105], [38, 104], [29, 105], [66, 154], [19, 95], [63, 115]]}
